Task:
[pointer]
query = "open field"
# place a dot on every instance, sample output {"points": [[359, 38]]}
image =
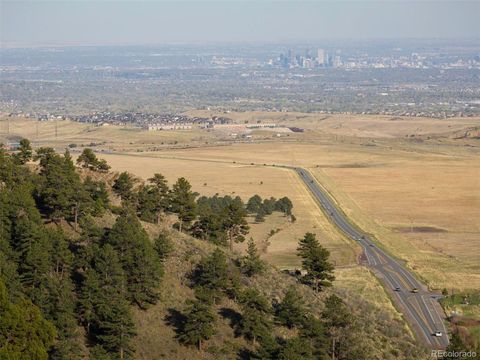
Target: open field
{"points": [[419, 198], [119, 138], [210, 178], [422, 203], [370, 126]]}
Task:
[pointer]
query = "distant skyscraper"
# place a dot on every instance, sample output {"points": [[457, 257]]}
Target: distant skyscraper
{"points": [[321, 58], [337, 61]]}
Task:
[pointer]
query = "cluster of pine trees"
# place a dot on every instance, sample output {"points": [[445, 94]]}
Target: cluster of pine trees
{"points": [[216, 276], [261, 208], [52, 283]]}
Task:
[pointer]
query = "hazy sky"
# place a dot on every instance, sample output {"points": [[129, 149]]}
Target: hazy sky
{"points": [[130, 22]]}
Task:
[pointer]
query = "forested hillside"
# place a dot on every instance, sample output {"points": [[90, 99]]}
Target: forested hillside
{"points": [[103, 266]]}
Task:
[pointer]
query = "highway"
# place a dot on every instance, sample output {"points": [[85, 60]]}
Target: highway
{"points": [[421, 309]]}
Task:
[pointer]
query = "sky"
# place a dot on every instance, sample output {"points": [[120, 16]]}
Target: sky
{"points": [[36, 23]]}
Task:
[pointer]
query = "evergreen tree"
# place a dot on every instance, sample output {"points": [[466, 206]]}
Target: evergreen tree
{"points": [[153, 199], [199, 324], [25, 152], [234, 222], [255, 323], [60, 192], [269, 205], [314, 331], [139, 260], [88, 159], [116, 328], [254, 204], [183, 202], [163, 246], [211, 274], [269, 348], [123, 186], [102, 165], [291, 310], [103, 306], [251, 264], [284, 205], [337, 320], [98, 196], [315, 262], [296, 348], [260, 216], [24, 333], [161, 195]]}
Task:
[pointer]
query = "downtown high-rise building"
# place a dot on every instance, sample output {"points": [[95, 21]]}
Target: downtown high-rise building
{"points": [[321, 57]]}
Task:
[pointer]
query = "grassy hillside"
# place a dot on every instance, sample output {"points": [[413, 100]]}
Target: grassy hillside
{"points": [[383, 335]]}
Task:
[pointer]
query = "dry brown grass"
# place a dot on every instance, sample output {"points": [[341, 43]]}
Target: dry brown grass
{"points": [[118, 138], [386, 185], [372, 126], [384, 189], [209, 178]]}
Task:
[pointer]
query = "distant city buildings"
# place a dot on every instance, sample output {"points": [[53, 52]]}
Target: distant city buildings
{"points": [[334, 59]]}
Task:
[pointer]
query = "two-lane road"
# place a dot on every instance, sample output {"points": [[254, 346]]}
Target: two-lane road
{"points": [[420, 307]]}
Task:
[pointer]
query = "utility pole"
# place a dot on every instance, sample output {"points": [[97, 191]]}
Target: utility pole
{"points": [[56, 128]]}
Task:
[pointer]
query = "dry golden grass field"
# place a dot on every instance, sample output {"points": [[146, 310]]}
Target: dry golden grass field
{"points": [[118, 138], [372, 126], [423, 204], [421, 199], [209, 178]]}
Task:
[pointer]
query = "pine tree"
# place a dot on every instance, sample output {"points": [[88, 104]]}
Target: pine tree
{"points": [[199, 324], [123, 186], [139, 260], [234, 222], [269, 348], [291, 310], [25, 152], [183, 202], [116, 328], [254, 204], [60, 191], [260, 216], [296, 348], [88, 159], [24, 333], [153, 199], [284, 205], [163, 246], [162, 196], [211, 274], [251, 264], [314, 331], [315, 262], [255, 323], [98, 196], [337, 320], [103, 305]]}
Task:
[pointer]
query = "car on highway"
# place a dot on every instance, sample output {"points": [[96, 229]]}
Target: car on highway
{"points": [[397, 289], [414, 290], [437, 333]]}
